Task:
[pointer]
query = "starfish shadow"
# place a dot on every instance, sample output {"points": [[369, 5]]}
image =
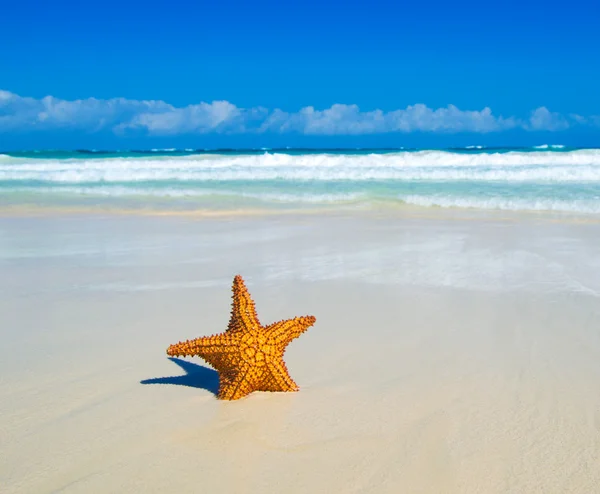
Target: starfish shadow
{"points": [[196, 376]]}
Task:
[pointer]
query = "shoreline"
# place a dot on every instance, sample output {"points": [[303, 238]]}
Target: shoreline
{"points": [[407, 211]]}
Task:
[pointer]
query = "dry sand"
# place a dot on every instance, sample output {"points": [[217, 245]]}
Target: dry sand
{"points": [[452, 354]]}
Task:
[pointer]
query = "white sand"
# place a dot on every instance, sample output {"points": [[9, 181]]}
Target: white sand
{"points": [[452, 353]]}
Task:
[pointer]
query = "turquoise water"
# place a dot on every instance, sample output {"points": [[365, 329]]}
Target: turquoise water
{"points": [[544, 178]]}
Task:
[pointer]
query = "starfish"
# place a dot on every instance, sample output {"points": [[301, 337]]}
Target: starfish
{"points": [[247, 356]]}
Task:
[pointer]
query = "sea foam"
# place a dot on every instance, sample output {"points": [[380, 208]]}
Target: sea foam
{"points": [[542, 179]]}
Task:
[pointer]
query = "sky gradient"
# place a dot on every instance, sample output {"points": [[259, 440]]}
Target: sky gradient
{"points": [[152, 74]]}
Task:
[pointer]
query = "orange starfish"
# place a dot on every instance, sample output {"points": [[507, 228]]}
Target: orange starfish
{"points": [[247, 356]]}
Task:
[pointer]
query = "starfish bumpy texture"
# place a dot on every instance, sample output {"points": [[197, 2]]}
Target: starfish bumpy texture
{"points": [[247, 356]]}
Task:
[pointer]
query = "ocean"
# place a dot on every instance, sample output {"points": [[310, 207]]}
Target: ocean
{"points": [[543, 178]]}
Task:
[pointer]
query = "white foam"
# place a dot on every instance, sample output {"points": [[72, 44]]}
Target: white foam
{"points": [[573, 166], [183, 193], [506, 204], [554, 181], [574, 205], [550, 146]]}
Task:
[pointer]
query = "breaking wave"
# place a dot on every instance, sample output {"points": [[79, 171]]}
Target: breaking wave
{"points": [[549, 178]]}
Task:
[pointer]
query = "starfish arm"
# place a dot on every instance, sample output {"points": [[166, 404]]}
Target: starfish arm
{"points": [[285, 331], [214, 349], [235, 387], [243, 311], [277, 378]]}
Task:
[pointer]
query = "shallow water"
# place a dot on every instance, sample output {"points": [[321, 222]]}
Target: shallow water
{"points": [[531, 179]]}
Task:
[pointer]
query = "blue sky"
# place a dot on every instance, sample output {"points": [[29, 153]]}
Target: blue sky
{"points": [[277, 70]]}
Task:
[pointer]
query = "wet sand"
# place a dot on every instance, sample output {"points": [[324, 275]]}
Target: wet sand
{"points": [[452, 353]]}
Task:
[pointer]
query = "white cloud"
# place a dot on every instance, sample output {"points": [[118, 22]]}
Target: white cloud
{"points": [[348, 119], [22, 113], [120, 115], [200, 118], [544, 119]]}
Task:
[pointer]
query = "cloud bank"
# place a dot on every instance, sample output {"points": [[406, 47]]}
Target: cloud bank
{"points": [[158, 118]]}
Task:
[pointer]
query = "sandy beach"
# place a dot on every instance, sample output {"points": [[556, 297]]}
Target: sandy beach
{"points": [[453, 352]]}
